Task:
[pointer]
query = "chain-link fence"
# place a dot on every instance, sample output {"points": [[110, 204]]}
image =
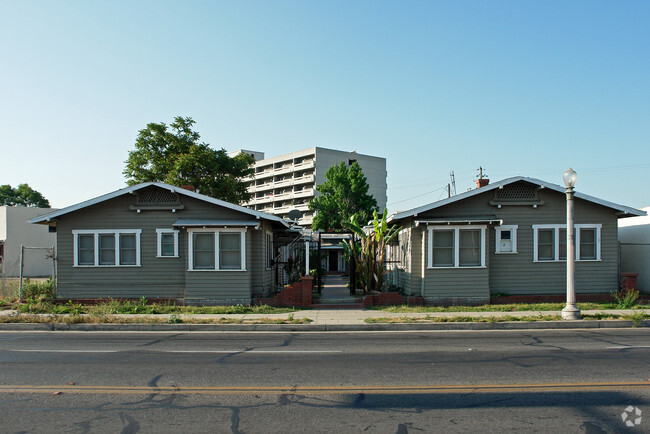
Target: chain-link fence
{"points": [[15, 271]]}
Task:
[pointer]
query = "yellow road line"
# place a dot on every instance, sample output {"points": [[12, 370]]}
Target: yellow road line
{"points": [[320, 390]]}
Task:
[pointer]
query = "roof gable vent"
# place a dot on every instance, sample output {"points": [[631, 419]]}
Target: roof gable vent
{"points": [[518, 193], [156, 198]]}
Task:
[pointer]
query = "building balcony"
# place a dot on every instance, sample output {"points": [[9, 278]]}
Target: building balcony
{"points": [[304, 165], [304, 179], [282, 196], [303, 193], [282, 209], [261, 187], [264, 174], [284, 183], [262, 200], [283, 170]]}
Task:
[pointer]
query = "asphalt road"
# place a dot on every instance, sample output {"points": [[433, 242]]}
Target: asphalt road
{"points": [[491, 381]]}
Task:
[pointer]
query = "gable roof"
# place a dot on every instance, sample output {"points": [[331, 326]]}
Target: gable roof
{"points": [[181, 191], [625, 210]]}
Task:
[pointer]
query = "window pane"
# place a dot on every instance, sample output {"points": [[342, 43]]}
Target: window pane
{"points": [[470, 248], [106, 249], [562, 245], [167, 244], [230, 242], [203, 251], [505, 240], [443, 238], [443, 248], [545, 246], [86, 249], [587, 243], [230, 251], [127, 249]]}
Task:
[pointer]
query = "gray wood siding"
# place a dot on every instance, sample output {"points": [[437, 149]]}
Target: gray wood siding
{"points": [[156, 277], [267, 274], [517, 273], [457, 282], [416, 261], [262, 277]]}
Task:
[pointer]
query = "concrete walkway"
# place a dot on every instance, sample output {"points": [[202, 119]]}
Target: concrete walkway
{"points": [[336, 291]]}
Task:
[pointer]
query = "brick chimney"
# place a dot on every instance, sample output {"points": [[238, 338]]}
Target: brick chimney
{"points": [[188, 187], [482, 182]]}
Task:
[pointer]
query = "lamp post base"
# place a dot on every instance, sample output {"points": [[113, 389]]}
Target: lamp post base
{"points": [[571, 312]]}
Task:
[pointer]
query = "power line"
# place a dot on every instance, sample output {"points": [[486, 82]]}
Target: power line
{"points": [[420, 195]]}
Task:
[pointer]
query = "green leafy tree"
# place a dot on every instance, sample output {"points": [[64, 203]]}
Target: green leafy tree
{"points": [[22, 195], [343, 195], [173, 155]]}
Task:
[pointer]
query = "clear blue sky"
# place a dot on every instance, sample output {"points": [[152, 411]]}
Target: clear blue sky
{"points": [[517, 87]]}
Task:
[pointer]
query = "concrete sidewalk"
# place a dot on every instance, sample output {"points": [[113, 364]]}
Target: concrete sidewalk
{"points": [[359, 316], [345, 320]]}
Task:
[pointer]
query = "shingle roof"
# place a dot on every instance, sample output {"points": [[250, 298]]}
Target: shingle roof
{"points": [[127, 190], [415, 211]]}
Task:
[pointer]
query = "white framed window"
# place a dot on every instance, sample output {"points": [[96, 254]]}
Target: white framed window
{"points": [[167, 243], [549, 242], [106, 247], [212, 249], [505, 237], [456, 247]]}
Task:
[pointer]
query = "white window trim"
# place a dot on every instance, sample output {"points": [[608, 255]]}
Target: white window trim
{"points": [[96, 233], [216, 232], [556, 244], [497, 238], [159, 234], [456, 230], [598, 228]]}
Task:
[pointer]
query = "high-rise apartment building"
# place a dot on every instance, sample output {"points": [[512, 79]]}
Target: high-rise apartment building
{"points": [[288, 182]]}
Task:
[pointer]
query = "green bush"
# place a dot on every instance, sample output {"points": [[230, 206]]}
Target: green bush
{"points": [[626, 298], [38, 290]]}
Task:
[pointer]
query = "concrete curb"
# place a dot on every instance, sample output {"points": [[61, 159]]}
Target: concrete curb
{"points": [[447, 326]]}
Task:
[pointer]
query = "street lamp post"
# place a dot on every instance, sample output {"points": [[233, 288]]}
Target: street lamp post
{"points": [[571, 311]]}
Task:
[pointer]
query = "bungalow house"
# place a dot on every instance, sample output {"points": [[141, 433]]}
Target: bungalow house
{"points": [[508, 237], [156, 240]]}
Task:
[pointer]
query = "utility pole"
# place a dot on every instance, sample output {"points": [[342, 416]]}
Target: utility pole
{"points": [[452, 190]]}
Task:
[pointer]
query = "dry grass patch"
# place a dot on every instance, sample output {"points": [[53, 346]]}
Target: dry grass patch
{"points": [[514, 307], [637, 318], [128, 319]]}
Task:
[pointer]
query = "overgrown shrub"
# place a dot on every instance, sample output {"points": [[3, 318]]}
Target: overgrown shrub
{"points": [[626, 298], [38, 290]]}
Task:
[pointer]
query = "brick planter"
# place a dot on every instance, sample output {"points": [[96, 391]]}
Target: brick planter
{"points": [[385, 299], [298, 294]]}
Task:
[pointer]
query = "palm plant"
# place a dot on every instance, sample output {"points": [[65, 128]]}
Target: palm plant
{"points": [[370, 254]]}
